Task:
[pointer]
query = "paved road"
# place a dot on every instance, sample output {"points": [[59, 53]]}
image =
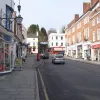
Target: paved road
{"points": [[72, 81]]}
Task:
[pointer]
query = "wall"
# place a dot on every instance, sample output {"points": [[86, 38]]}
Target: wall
{"points": [[54, 40], [31, 41]]}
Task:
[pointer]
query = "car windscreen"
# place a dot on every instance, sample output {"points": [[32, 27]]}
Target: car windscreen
{"points": [[59, 56]]}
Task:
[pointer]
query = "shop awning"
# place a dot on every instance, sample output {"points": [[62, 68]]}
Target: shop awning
{"points": [[96, 46]]}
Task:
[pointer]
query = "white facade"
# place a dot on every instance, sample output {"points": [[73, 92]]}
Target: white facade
{"points": [[8, 2], [56, 40], [33, 42], [24, 33]]}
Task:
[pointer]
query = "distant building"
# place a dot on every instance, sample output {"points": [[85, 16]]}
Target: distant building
{"points": [[32, 40], [56, 42]]}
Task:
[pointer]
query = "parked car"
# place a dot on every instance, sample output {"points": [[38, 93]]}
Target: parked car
{"points": [[59, 58]]}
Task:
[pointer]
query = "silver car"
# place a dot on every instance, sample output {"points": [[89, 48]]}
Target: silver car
{"points": [[58, 59]]}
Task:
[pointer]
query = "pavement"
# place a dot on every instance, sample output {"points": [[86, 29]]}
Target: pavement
{"points": [[74, 80], [21, 85], [85, 61]]}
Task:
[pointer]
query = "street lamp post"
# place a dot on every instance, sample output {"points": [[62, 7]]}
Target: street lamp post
{"points": [[17, 19]]}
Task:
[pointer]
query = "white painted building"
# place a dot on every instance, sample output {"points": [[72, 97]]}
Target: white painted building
{"points": [[56, 42], [32, 40], [24, 41]]}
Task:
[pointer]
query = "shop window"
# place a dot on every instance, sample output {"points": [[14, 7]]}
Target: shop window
{"points": [[98, 32], [1, 57], [7, 57]]}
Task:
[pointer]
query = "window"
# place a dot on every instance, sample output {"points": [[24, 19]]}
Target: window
{"points": [[52, 44], [73, 29], [98, 19], [61, 44], [86, 33], [93, 22], [73, 39], [56, 43], [94, 36], [56, 37], [79, 37], [52, 38], [33, 43], [79, 25], [86, 20], [98, 34], [61, 38]]}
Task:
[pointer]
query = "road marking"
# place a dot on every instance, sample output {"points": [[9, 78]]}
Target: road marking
{"points": [[44, 89]]}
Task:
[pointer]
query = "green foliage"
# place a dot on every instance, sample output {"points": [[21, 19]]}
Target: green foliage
{"points": [[33, 29], [63, 29]]}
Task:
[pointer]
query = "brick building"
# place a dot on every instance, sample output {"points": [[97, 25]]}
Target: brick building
{"points": [[83, 33]]}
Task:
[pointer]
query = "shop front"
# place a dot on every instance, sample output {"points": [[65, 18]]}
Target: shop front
{"points": [[6, 53], [86, 51], [79, 51], [56, 50], [96, 52]]}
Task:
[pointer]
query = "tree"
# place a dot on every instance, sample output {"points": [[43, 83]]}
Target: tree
{"points": [[33, 28], [63, 29], [43, 37], [51, 30]]}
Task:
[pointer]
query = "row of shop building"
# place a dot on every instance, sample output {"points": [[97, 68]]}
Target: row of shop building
{"points": [[83, 33], [12, 37]]}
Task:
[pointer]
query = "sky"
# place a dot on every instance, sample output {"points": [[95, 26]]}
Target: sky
{"points": [[49, 13]]}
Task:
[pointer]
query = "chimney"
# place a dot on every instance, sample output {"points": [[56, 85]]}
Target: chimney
{"points": [[93, 2], [86, 7], [76, 17]]}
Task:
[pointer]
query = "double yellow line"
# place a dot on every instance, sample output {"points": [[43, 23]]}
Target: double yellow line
{"points": [[43, 86]]}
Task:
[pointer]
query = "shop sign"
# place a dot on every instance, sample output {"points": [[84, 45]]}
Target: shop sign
{"points": [[18, 64], [96, 46], [58, 49]]}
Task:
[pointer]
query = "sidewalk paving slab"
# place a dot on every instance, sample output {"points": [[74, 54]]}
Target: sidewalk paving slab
{"points": [[21, 85]]}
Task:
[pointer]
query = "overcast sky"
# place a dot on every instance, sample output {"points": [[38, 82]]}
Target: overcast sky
{"points": [[49, 13]]}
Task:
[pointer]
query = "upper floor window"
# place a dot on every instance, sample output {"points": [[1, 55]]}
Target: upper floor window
{"points": [[56, 37], [79, 37], [93, 22], [73, 29], [61, 44], [98, 19], [86, 20], [79, 25], [98, 32], [56, 43], [94, 36], [86, 33], [52, 44], [61, 38]]}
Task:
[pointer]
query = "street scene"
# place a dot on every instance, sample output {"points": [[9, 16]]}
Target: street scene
{"points": [[50, 50]]}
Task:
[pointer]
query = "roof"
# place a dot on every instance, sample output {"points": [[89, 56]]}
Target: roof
{"points": [[31, 35]]}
